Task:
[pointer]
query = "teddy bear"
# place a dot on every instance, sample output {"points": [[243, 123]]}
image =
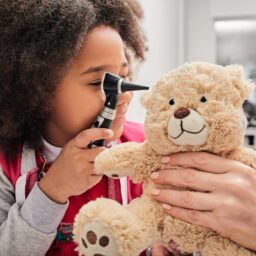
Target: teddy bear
{"points": [[195, 107]]}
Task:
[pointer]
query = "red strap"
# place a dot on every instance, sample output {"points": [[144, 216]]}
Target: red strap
{"points": [[31, 179], [34, 175], [114, 190], [11, 166]]}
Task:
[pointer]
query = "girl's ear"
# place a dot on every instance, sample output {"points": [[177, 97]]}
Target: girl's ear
{"points": [[236, 74], [145, 99]]}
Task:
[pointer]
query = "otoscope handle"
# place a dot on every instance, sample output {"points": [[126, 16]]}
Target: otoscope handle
{"points": [[105, 118], [105, 124]]}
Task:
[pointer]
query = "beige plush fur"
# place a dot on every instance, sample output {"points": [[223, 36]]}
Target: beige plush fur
{"points": [[217, 125]]}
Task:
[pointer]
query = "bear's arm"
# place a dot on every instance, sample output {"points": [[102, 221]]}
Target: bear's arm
{"points": [[126, 159]]}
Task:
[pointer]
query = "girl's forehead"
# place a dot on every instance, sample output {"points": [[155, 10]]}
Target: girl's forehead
{"points": [[99, 39], [102, 46]]}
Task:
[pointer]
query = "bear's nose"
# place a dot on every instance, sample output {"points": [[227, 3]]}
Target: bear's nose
{"points": [[181, 113]]}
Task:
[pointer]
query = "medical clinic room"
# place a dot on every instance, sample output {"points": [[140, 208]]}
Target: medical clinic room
{"points": [[127, 127]]}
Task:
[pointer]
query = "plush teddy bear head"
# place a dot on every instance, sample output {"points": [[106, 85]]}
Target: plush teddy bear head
{"points": [[197, 107]]}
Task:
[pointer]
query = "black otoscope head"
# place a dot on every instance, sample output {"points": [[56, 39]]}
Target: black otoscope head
{"points": [[117, 85], [112, 86]]}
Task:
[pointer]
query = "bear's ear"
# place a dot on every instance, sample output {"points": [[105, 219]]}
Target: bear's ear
{"points": [[145, 99], [244, 87]]}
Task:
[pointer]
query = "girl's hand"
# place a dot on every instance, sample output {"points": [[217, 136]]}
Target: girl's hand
{"points": [[122, 107], [72, 173], [216, 193]]}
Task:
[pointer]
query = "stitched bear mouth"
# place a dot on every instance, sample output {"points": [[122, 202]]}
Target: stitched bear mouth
{"points": [[184, 130], [191, 130]]}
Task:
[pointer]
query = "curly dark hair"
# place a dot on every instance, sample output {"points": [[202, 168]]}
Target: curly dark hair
{"points": [[39, 38]]}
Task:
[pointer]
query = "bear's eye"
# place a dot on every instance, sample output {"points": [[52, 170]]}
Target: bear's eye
{"points": [[203, 99], [171, 101]]}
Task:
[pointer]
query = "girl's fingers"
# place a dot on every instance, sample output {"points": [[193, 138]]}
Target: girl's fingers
{"points": [[117, 125], [89, 171], [121, 110], [122, 107], [203, 161], [90, 154], [186, 199], [187, 178], [84, 138], [125, 98], [92, 176]]}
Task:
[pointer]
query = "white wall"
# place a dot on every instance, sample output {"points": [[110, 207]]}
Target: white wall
{"points": [[199, 36], [164, 34], [199, 24], [162, 29], [233, 8], [181, 31]]}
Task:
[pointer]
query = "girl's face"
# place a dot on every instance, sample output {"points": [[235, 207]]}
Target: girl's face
{"points": [[79, 97]]}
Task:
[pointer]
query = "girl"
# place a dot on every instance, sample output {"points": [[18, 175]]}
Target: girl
{"points": [[53, 55]]}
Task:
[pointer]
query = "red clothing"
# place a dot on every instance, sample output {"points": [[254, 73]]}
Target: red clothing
{"points": [[63, 244]]}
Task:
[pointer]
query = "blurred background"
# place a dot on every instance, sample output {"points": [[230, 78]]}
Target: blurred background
{"points": [[216, 31]]}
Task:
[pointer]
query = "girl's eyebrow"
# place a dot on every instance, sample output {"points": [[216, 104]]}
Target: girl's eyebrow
{"points": [[101, 68]]}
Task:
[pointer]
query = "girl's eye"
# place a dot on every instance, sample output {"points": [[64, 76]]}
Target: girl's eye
{"points": [[96, 83]]}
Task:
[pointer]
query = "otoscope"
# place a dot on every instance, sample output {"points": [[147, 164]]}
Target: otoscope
{"points": [[113, 86]]}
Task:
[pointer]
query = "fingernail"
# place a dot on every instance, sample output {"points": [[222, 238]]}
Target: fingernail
{"points": [[155, 192], [154, 175], [166, 206], [125, 108], [165, 159]]}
